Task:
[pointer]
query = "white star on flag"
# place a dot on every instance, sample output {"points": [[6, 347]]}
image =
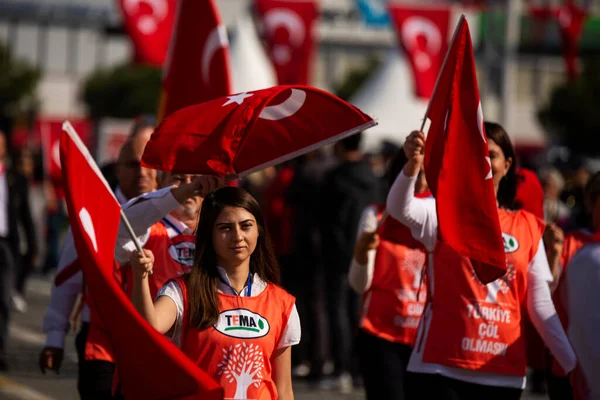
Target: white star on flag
{"points": [[489, 175], [238, 98]]}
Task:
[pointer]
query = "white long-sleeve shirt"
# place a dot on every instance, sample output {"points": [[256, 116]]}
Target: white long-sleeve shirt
{"points": [[583, 298], [62, 298], [360, 276], [143, 212], [421, 217]]}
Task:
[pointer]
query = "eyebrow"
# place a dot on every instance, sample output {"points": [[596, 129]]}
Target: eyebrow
{"points": [[233, 223]]}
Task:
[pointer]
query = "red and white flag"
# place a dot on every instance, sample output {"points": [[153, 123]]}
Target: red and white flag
{"points": [[149, 365], [287, 28], [197, 68], [571, 19], [457, 163], [242, 133], [149, 24], [422, 33]]}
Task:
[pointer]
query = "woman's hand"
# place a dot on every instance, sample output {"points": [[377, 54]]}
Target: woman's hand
{"points": [[367, 241], [142, 264], [554, 239], [414, 149]]}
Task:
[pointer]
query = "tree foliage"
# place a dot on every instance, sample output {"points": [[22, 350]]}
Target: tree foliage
{"points": [[123, 91], [18, 82], [572, 116]]}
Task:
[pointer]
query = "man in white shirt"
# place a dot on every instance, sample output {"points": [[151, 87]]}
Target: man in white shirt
{"points": [[95, 375], [583, 299]]}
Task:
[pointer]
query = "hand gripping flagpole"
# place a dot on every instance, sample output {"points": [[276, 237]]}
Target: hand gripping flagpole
{"points": [[67, 127]]}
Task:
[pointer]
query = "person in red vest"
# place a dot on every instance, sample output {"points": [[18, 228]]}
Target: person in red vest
{"points": [[228, 314], [386, 270], [564, 247], [94, 352], [470, 343]]}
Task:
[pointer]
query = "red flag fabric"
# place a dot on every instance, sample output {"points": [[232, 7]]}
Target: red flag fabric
{"points": [[287, 28], [150, 366], [422, 33], [457, 163], [571, 20], [197, 67], [239, 134], [149, 24]]}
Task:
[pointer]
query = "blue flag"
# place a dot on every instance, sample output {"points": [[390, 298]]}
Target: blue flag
{"points": [[374, 12]]}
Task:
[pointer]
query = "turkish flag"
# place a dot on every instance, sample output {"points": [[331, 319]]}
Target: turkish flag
{"points": [[423, 36], [243, 133], [150, 366], [197, 67], [287, 28], [457, 163], [149, 24], [571, 20]]}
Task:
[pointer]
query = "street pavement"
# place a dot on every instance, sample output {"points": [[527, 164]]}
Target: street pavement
{"points": [[25, 381]]}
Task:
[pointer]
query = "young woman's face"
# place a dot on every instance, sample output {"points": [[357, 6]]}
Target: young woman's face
{"points": [[500, 164], [234, 236]]}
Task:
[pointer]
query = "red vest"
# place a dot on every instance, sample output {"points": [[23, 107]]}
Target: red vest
{"points": [[573, 242], [97, 345], [390, 308], [237, 351], [173, 257], [475, 326]]}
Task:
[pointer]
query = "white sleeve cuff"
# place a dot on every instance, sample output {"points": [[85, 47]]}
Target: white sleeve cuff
{"points": [[55, 339]]}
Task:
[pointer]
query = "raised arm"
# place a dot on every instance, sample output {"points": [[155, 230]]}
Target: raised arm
{"points": [[161, 314], [147, 209], [419, 215]]}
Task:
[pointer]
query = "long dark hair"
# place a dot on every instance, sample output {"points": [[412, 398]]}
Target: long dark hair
{"points": [[508, 185], [203, 281]]}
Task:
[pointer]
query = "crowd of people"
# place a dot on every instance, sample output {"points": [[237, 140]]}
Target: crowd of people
{"points": [[339, 256]]}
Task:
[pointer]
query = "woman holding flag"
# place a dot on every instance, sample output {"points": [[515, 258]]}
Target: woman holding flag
{"points": [[470, 344], [386, 270], [228, 315]]}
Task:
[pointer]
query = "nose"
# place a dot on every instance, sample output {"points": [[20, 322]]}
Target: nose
{"points": [[237, 235], [188, 178]]}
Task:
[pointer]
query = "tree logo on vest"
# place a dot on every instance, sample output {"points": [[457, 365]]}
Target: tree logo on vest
{"points": [[243, 364], [182, 250], [510, 243], [242, 323], [413, 263]]}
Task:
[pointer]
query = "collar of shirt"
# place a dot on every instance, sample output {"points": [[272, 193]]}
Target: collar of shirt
{"points": [[181, 227], [120, 196], [258, 285]]}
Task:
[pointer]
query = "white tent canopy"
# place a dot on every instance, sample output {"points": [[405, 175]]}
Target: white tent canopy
{"points": [[251, 69], [388, 96]]}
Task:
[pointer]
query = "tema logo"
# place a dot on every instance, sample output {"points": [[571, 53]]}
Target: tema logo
{"points": [[242, 323], [510, 243], [183, 251]]}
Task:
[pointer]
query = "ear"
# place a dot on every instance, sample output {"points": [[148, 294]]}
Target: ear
{"points": [[508, 164]]}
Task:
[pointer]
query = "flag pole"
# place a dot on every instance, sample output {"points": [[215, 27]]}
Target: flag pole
{"points": [[67, 127]]}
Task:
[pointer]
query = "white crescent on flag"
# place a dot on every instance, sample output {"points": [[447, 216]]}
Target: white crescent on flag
{"points": [[291, 21], [147, 24], [88, 226], [215, 41], [286, 109], [410, 31]]}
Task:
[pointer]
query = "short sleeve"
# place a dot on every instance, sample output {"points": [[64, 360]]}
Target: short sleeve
{"points": [[292, 332], [173, 291]]}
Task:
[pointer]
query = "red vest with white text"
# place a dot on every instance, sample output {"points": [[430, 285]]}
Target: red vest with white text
{"points": [[476, 326], [390, 308], [237, 351], [173, 257]]}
